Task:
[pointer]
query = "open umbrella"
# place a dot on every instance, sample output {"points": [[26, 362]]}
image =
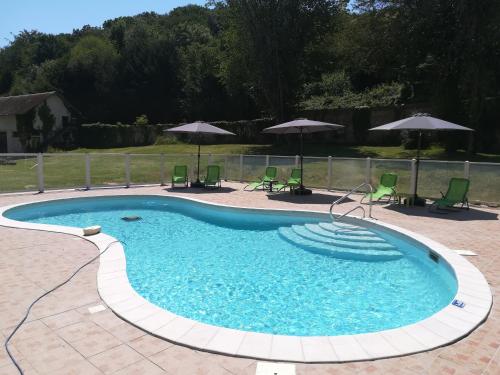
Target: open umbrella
{"points": [[199, 127], [302, 126], [420, 122]]}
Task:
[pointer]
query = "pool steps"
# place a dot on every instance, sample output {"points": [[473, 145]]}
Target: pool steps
{"points": [[327, 239], [340, 235]]}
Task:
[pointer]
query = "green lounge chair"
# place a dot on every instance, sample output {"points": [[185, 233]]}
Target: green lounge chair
{"points": [[213, 177], [457, 193], [387, 187], [180, 175], [292, 183], [271, 174]]}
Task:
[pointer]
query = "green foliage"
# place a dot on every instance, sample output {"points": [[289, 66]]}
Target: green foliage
{"points": [[141, 120], [383, 95], [47, 118], [106, 135]]}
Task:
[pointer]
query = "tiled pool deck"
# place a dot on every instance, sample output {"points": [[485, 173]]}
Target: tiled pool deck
{"points": [[63, 337]]}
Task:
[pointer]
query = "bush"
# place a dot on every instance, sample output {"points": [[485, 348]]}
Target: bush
{"points": [[383, 95], [141, 120]]}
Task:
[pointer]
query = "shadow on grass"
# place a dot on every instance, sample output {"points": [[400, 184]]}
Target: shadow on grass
{"points": [[458, 215], [314, 198], [190, 190]]}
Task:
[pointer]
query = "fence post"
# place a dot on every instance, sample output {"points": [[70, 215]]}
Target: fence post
{"points": [[267, 161], [368, 171], [241, 167], [413, 178], [225, 167], [162, 169], [209, 159], [466, 169], [39, 172], [127, 170], [296, 161], [329, 184], [87, 171]]}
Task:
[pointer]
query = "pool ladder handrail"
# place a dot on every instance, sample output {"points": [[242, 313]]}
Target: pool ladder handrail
{"points": [[345, 196]]}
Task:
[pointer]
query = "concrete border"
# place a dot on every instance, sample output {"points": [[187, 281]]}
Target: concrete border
{"points": [[444, 327]]}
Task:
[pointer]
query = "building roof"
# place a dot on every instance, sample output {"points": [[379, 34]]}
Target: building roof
{"points": [[17, 105]]}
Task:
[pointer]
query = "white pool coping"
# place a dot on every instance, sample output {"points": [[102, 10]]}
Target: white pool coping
{"points": [[443, 328]]}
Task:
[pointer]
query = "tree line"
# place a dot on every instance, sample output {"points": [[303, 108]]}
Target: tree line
{"points": [[240, 59]]}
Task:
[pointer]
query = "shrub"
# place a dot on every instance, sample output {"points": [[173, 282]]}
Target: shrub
{"points": [[105, 135], [141, 120]]}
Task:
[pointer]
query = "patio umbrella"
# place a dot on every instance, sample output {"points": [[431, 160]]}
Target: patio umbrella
{"points": [[301, 127], [420, 122], [199, 128]]}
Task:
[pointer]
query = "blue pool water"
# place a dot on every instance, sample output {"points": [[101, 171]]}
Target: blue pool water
{"points": [[243, 270]]}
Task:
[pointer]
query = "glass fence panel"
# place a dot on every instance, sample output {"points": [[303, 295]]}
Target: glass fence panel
{"points": [[219, 160], [434, 176], [485, 182], [232, 167], [145, 168], [253, 167], [284, 164], [400, 167], [63, 171], [348, 173], [316, 172], [107, 169], [18, 173]]}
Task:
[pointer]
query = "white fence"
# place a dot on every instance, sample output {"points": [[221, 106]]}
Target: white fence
{"points": [[40, 172]]}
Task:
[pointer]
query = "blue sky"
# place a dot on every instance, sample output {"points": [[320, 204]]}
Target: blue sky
{"points": [[62, 16]]}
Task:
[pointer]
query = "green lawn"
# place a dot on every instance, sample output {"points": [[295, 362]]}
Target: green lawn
{"points": [[65, 170], [393, 152]]}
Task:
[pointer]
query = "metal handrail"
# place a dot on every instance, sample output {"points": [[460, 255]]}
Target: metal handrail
{"points": [[344, 197]]}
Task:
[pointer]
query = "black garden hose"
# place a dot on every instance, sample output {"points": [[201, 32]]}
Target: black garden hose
{"points": [[42, 296]]}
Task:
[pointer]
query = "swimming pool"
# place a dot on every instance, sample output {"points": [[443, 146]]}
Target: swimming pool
{"points": [[277, 273]]}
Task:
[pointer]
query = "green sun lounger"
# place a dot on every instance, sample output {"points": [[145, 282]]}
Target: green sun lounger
{"points": [[456, 194], [180, 175], [213, 177], [292, 183], [270, 175], [387, 187]]}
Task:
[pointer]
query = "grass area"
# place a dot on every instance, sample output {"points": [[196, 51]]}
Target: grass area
{"points": [[434, 152], [66, 170]]}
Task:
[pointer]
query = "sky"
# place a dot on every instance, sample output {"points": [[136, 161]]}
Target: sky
{"points": [[62, 16]]}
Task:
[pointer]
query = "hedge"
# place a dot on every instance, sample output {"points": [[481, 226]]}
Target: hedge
{"points": [[106, 135]]}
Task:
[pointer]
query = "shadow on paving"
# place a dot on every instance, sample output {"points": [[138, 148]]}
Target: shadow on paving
{"points": [[314, 198], [458, 215]]}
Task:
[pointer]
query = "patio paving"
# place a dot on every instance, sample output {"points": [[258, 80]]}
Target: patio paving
{"points": [[63, 337]]}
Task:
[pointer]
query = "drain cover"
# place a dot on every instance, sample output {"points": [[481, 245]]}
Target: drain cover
{"points": [[271, 368]]}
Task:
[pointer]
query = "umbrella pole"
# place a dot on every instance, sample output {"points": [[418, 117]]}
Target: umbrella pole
{"points": [[198, 178], [301, 189], [416, 200], [301, 160]]}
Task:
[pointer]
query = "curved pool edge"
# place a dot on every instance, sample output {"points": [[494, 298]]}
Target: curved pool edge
{"points": [[443, 328]]}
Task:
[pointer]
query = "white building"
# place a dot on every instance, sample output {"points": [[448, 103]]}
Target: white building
{"points": [[11, 106]]}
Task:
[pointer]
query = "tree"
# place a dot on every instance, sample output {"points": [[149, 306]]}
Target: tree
{"points": [[270, 37]]}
